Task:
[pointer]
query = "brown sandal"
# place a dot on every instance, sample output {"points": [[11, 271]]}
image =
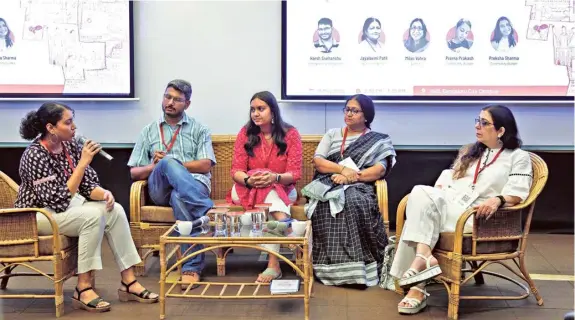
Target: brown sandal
{"points": [[91, 306], [190, 273], [142, 297]]}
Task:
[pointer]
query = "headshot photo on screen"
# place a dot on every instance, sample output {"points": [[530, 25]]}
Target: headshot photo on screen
{"points": [[460, 37], [416, 38], [504, 37], [325, 37], [371, 38], [6, 36]]}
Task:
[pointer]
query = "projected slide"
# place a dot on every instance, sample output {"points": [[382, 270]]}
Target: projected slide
{"points": [[424, 48], [65, 48]]}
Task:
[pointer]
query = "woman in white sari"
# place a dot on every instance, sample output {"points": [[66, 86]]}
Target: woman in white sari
{"points": [[488, 174]]}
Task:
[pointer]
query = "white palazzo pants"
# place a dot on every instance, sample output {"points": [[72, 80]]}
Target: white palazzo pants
{"points": [[428, 213]]}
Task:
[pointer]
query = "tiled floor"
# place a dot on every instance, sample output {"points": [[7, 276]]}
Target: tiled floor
{"points": [[546, 255]]}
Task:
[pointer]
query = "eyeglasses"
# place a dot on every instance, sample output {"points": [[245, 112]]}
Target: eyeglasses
{"points": [[482, 122], [347, 110], [176, 99]]}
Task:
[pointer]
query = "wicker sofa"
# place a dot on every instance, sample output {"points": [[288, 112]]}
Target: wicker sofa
{"points": [[148, 221]]}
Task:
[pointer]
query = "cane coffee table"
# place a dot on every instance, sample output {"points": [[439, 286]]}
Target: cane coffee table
{"points": [[170, 247]]}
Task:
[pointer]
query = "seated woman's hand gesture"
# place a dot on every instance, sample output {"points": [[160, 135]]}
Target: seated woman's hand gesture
{"points": [[262, 179], [488, 208], [339, 179], [351, 175]]}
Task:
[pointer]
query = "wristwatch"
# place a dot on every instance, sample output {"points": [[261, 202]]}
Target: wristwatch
{"points": [[246, 182], [502, 201]]}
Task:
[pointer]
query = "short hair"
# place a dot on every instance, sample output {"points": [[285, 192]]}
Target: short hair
{"points": [[181, 85], [325, 21]]}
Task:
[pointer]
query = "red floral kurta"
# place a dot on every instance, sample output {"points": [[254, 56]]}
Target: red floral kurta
{"points": [[266, 159]]}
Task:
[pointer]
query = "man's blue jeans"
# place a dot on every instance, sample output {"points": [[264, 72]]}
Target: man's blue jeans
{"points": [[170, 184]]}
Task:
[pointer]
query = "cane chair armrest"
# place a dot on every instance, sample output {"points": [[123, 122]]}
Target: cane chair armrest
{"points": [[137, 199], [56, 244]]}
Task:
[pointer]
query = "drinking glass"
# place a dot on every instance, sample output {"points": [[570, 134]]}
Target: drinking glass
{"points": [[258, 218], [221, 228], [235, 224]]}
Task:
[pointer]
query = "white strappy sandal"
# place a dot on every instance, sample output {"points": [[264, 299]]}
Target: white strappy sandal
{"points": [[412, 277], [414, 305]]}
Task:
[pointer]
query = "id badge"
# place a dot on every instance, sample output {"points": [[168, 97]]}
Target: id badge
{"points": [[348, 162], [466, 197], [77, 201]]}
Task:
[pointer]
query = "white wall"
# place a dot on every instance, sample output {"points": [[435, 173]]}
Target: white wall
{"points": [[230, 50]]}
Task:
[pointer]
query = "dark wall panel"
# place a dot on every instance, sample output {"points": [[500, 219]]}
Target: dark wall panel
{"points": [[554, 210]]}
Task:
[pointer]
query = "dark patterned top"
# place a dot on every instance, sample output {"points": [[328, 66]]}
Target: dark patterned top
{"points": [[44, 176]]}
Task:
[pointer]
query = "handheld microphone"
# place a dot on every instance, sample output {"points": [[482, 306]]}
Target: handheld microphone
{"points": [[200, 222], [82, 140]]}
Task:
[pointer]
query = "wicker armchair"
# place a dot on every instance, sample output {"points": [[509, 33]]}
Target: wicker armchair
{"points": [[148, 221], [497, 240], [20, 245]]}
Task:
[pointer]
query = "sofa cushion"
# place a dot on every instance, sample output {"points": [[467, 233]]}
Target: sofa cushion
{"points": [[45, 247], [163, 214], [157, 214], [447, 240]]}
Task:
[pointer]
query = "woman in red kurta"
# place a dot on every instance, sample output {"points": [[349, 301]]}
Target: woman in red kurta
{"points": [[266, 165]]}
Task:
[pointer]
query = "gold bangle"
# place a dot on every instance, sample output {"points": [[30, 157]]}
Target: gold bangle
{"points": [[342, 168]]}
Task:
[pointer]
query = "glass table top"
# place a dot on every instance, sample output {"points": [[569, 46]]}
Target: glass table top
{"points": [[239, 229]]}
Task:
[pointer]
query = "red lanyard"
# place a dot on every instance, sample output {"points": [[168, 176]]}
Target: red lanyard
{"points": [[169, 147], [68, 158], [477, 171], [345, 137], [72, 167]]}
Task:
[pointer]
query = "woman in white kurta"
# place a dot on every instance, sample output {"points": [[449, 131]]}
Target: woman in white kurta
{"points": [[503, 178]]}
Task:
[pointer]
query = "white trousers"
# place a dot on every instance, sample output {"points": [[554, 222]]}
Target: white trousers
{"points": [[428, 213], [90, 222], [277, 205]]}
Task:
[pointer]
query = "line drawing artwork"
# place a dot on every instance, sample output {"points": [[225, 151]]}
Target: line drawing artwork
{"points": [[554, 22], [85, 38]]}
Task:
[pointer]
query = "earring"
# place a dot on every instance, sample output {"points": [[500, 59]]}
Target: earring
{"points": [[52, 137], [272, 121], [499, 141]]}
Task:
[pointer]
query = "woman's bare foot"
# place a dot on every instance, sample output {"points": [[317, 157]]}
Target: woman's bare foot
{"points": [[269, 274]]}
